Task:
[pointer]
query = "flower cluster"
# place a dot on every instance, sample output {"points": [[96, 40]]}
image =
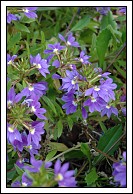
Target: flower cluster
{"points": [[28, 12], [74, 83], [62, 176], [25, 104], [82, 86]]}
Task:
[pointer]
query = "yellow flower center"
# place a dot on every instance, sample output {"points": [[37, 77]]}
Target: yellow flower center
{"points": [[26, 10], [11, 129], [32, 131], [68, 43], [59, 177], [10, 62], [33, 109], [96, 88], [55, 50], [31, 88], [93, 99], [108, 107], [24, 184]]}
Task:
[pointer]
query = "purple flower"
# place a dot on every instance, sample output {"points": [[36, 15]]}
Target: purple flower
{"points": [[103, 10], [123, 98], [108, 110], [27, 101], [63, 176], [16, 184], [11, 98], [40, 63], [37, 89], [13, 134], [95, 92], [70, 105], [20, 144], [101, 91], [36, 129], [99, 70], [119, 172], [70, 41], [56, 63], [33, 148], [107, 88], [54, 48], [20, 163], [70, 82], [72, 67], [56, 76], [11, 17], [83, 58], [123, 10], [35, 108], [26, 181], [108, 83], [29, 12], [47, 164], [95, 104], [124, 111], [84, 113], [36, 165], [10, 59]]}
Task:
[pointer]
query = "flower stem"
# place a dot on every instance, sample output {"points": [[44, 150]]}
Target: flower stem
{"points": [[68, 150]]}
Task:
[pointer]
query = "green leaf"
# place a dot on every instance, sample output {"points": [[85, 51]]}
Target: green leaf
{"points": [[102, 45], [108, 20], [17, 178], [81, 23], [13, 77], [50, 104], [28, 48], [121, 18], [58, 108], [9, 84], [116, 35], [27, 20], [59, 126], [24, 84], [85, 149], [56, 83], [121, 71], [11, 174], [58, 146], [70, 122], [74, 154], [48, 8], [14, 39], [13, 153], [42, 38], [103, 127], [19, 86], [108, 140], [19, 170], [91, 177], [21, 27], [93, 51], [50, 155]]}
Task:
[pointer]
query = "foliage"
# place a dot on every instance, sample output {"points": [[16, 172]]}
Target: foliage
{"points": [[53, 91]]}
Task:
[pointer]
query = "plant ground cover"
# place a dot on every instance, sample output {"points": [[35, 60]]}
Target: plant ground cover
{"points": [[66, 97]]}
